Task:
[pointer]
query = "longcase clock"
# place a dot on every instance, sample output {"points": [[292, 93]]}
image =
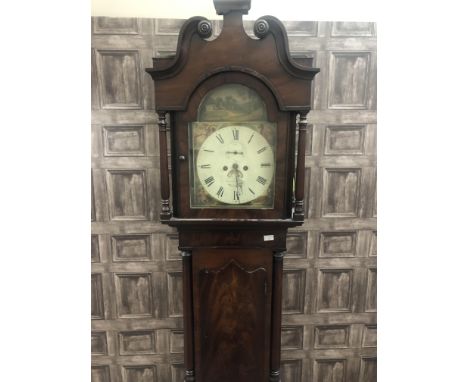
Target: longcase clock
{"points": [[233, 106]]}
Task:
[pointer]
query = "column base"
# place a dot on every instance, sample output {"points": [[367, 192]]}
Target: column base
{"points": [[275, 376], [189, 376], [298, 216], [165, 216]]}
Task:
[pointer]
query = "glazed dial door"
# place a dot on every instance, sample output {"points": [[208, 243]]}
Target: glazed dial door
{"points": [[235, 165], [232, 151]]}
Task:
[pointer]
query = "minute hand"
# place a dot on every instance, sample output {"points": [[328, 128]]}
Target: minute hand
{"points": [[234, 152]]}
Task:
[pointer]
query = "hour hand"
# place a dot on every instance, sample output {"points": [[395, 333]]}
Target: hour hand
{"points": [[234, 152]]}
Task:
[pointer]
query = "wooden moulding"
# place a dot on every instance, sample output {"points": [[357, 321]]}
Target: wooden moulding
{"points": [[273, 238]]}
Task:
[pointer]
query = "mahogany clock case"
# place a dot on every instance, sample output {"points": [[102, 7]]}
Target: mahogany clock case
{"points": [[232, 256]]}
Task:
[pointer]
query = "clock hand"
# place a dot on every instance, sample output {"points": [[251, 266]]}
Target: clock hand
{"points": [[235, 152]]}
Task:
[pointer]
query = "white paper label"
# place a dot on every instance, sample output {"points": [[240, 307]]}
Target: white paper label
{"points": [[268, 237]]}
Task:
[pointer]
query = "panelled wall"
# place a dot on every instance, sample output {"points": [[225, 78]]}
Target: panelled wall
{"points": [[330, 277]]}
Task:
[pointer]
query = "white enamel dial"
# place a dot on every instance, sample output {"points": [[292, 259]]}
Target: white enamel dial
{"points": [[235, 165]]}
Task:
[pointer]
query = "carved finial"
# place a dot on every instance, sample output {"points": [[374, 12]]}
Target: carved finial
{"points": [[204, 29], [225, 6], [261, 28]]}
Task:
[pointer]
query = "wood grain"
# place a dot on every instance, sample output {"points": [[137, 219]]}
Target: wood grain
{"points": [[232, 284]]}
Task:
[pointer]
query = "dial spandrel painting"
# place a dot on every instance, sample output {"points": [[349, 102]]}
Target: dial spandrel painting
{"points": [[232, 152]]}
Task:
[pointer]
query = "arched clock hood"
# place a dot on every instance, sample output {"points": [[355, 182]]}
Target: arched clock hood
{"points": [[266, 57]]}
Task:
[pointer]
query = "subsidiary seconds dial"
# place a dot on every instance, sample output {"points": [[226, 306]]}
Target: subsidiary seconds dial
{"points": [[235, 165]]}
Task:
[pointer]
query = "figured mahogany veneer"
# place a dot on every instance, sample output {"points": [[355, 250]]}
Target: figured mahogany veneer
{"points": [[232, 305]]}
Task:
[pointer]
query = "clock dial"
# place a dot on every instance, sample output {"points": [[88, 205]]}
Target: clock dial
{"points": [[235, 165]]}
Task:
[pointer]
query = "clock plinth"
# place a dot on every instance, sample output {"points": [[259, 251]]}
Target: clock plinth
{"points": [[233, 104]]}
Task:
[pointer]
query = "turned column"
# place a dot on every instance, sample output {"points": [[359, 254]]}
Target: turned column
{"points": [[300, 169], [163, 167]]}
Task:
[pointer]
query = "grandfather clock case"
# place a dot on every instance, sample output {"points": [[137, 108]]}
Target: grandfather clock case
{"points": [[235, 108]]}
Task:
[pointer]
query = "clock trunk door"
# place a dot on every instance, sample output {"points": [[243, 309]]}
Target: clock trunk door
{"points": [[232, 310]]}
